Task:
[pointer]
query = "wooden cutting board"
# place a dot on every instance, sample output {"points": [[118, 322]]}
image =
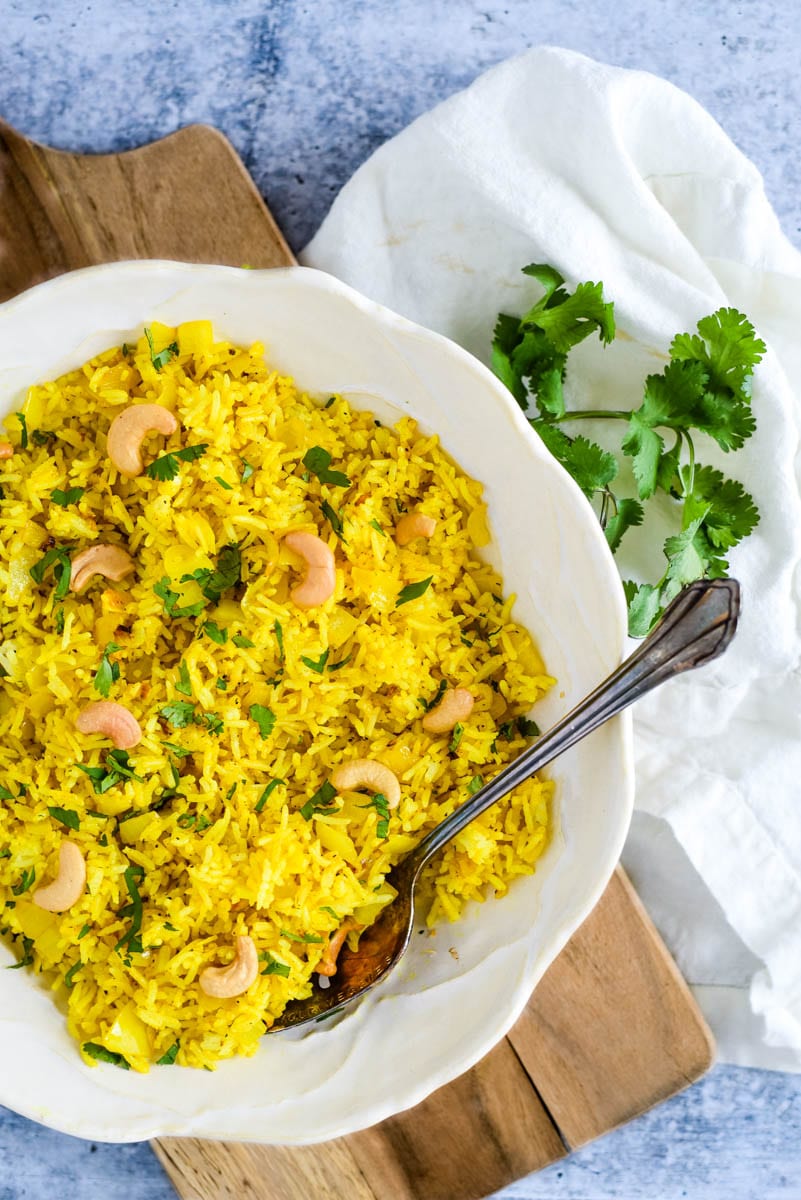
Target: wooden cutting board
{"points": [[612, 1028]]}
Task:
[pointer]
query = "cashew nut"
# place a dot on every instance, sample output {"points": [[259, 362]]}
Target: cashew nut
{"points": [[320, 578], [366, 773], [456, 705], [67, 888], [328, 963], [226, 982], [130, 428], [6, 449], [414, 525], [104, 716], [110, 561]]}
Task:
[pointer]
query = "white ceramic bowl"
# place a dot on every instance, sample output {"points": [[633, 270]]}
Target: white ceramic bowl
{"points": [[436, 1016]]}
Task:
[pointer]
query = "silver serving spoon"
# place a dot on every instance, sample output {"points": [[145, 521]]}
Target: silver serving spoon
{"points": [[696, 628]]}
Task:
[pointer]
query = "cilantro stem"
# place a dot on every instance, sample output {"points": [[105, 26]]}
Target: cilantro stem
{"points": [[594, 414], [688, 491]]}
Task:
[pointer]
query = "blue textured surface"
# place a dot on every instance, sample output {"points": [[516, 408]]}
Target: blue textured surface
{"points": [[305, 91]]}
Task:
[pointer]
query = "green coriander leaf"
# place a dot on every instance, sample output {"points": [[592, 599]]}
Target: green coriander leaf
{"points": [[458, 733], [435, 699], [376, 526], [320, 802], [178, 751], [59, 620], [645, 447], [108, 672], [5, 794], [212, 630], [184, 684], [179, 713], [575, 318], [326, 908], [503, 344], [333, 519], [318, 461], [412, 591], [268, 791], [527, 728], [592, 467], [213, 723], [103, 1055], [26, 882], [381, 806], [67, 816], [23, 424], [227, 573], [728, 347], [275, 966], [166, 466], [342, 662], [643, 605], [546, 275], [318, 664], [86, 929], [58, 557], [169, 599], [69, 978], [279, 637], [71, 496], [307, 938], [41, 437], [475, 785], [161, 359], [132, 941], [243, 642], [168, 1058], [221, 685], [730, 511], [629, 513], [247, 470], [264, 718], [229, 487]]}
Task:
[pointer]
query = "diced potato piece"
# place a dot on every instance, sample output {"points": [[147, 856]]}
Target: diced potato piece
{"points": [[337, 841]]}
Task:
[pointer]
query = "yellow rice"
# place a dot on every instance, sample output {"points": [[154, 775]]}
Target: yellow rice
{"points": [[210, 865]]}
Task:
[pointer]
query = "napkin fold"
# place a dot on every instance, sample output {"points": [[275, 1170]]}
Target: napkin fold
{"points": [[617, 175]]}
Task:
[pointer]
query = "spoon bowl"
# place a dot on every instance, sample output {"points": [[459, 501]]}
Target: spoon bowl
{"points": [[696, 628]]}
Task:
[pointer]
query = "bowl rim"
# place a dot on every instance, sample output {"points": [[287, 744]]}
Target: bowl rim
{"points": [[183, 275]]}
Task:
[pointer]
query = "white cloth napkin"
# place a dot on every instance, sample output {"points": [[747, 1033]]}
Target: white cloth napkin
{"points": [[617, 175]]}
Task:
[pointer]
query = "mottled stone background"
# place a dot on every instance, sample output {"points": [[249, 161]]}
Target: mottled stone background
{"points": [[305, 91]]}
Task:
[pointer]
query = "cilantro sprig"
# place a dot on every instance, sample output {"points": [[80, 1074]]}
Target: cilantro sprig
{"points": [[704, 389], [318, 462], [166, 465], [160, 359]]}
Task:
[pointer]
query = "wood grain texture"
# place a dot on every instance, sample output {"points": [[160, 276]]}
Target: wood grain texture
{"points": [[612, 1028]]}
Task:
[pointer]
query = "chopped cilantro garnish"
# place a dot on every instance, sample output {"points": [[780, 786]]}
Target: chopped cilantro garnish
{"points": [[458, 732], [318, 461], [168, 1058], [475, 784], [108, 672], [132, 941], [161, 359], [381, 806], [226, 574], [27, 881], [86, 929], [231, 791], [274, 965], [213, 723], [438, 694], [166, 465], [527, 728], [178, 751], [247, 470], [264, 718], [376, 525], [268, 791], [5, 794], [333, 518], [71, 496], [342, 662], [321, 801], [41, 437], [212, 630], [67, 816], [223, 484], [103, 1055], [23, 424], [279, 637], [57, 557], [243, 642], [221, 684], [184, 684], [179, 713], [59, 619], [306, 938], [326, 908], [170, 601], [69, 978], [316, 664], [412, 591]]}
